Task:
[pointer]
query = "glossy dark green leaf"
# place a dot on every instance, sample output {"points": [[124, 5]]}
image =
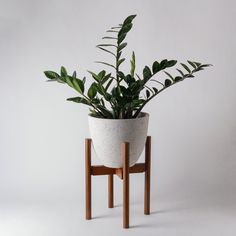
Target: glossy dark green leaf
{"points": [[106, 45], [108, 51], [129, 19], [180, 71], [171, 77], [163, 64], [105, 63], [121, 46], [147, 73], [171, 63], [101, 74], [92, 91], [186, 67], [102, 102], [205, 65], [74, 74], [120, 61], [178, 78], [51, 74], [192, 64], [167, 82], [95, 76], [112, 31], [155, 67], [197, 63], [78, 85], [105, 78], [155, 89], [148, 93], [69, 81], [63, 71], [121, 38], [78, 100], [118, 55], [189, 76], [108, 85], [108, 37]]}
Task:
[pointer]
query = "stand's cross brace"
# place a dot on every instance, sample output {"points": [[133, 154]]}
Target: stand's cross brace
{"points": [[122, 173]]}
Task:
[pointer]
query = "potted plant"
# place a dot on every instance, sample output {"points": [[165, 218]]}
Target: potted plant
{"points": [[116, 99]]}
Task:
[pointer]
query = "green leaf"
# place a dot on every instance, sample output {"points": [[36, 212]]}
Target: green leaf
{"points": [[178, 78], [103, 49], [155, 89], [63, 71], [125, 29], [118, 55], [180, 71], [169, 75], [102, 102], [167, 82], [108, 84], [106, 45], [163, 64], [205, 65], [147, 73], [74, 74], [192, 64], [78, 85], [92, 91], [105, 63], [96, 77], [186, 67], [121, 38], [112, 31], [189, 76], [148, 93], [120, 61], [197, 63], [107, 37], [78, 100], [129, 19], [155, 67], [51, 74], [101, 74], [105, 78], [69, 81], [171, 63], [121, 46], [116, 27]]}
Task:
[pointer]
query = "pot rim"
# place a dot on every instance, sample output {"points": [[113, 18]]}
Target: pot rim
{"points": [[141, 116]]}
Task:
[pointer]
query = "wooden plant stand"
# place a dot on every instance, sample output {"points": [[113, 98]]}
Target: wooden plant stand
{"points": [[122, 173]]}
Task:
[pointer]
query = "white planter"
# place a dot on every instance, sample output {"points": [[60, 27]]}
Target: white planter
{"points": [[108, 135]]}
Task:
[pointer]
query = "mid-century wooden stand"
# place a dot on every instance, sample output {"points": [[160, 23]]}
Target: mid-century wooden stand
{"points": [[122, 173]]}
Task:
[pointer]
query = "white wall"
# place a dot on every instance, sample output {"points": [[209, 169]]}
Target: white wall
{"points": [[192, 124]]}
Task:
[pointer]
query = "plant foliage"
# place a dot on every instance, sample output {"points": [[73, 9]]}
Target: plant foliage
{"points": [[119, 95]]}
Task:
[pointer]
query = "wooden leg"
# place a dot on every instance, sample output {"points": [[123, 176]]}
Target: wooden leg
{"points": [[110, 191], [125, 158], [88, 178], [147, 176]]}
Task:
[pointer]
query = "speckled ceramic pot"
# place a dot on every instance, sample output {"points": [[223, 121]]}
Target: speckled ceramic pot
{"points": [[108, 134]]}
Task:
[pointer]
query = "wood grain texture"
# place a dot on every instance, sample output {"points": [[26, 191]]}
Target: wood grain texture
{"points": [[125, 158], [147, 176], [88, 182], [110, 191]]}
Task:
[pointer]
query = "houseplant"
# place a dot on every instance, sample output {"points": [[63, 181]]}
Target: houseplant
{"points": [[116, 99]]}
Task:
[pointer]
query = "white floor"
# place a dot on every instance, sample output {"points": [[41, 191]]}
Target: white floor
{"points": [[185, 218]]}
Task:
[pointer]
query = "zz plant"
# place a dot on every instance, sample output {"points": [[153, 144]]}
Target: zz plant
{"points": [[122, 95]]}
